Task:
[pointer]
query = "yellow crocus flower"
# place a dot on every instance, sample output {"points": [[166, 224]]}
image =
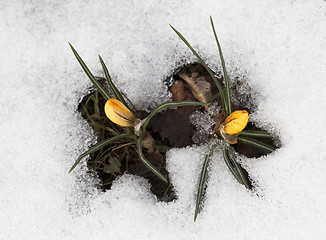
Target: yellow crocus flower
{"points": [[118, 113], [236, 122]]}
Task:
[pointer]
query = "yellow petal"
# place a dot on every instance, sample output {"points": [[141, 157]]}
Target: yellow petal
{"points": [[118, 113], [236, 122]]}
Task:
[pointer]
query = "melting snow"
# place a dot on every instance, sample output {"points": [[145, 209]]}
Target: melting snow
{"points": [[278, 46]]}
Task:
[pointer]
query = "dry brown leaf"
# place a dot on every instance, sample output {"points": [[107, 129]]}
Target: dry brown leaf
{"points": [[200, 88], [178, 91]]}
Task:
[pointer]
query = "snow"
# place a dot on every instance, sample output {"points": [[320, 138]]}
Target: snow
{"points": [[277, 46]]}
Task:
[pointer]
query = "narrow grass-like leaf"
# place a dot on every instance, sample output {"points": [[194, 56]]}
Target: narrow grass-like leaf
{"points": [[202, 181], [146, 162], [238, 169], [99, 146], [167, 105], [255, 133], [226, 78], [115, 90], [94, 124], [101, 89], [213, 98], [206, 67], [95, 99], [255, 143], [231, 165]]}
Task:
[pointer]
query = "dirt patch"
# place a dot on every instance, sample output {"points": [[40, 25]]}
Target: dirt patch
{"points": [[170, 128], [123, 155]]}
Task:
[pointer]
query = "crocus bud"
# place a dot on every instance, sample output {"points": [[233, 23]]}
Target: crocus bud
{"points": [[118, 113], [235, 122]]}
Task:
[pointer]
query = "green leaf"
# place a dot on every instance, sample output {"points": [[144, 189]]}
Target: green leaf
{"points": [[116, 92], [213, 98], [99, 146], [255, 133], [238, 168], [255, 143], [94, 124], [101, 89], [167, 105], [206, 67], [113, 167], [231, 165], [146, 162], [202, 181], [95, 99], [226, 78]]}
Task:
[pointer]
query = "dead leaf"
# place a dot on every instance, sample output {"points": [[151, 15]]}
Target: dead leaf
{"points": [[149, 142], [178, 91], [201, 89]]}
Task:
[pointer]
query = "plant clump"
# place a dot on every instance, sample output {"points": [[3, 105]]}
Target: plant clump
{"points": [[124, 142], [230, 125], [130, 140], [120, 156]]}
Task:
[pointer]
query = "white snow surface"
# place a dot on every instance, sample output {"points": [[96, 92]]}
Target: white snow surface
{"points": [[278, 46]]}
